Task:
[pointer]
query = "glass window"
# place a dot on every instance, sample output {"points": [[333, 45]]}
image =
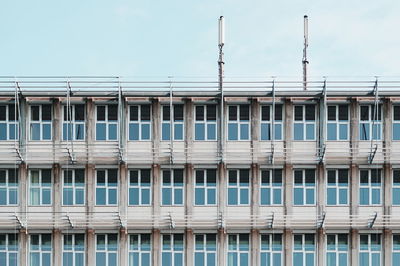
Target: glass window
{"points": [[370, 122], [8, 187], [140, 122], [238, 249], [40, 250], [267, 127], [205, 250], [106, 249], [74, 122], [139, 187], [337, 188], [205, 127], [205, 188], [370, 250], [172, 187], [140, 250], [396, 187], [304, 249], [107, 187], [40, 122], [172, 250], [73, 250], [337, 250], [338, 122], [370, 186], [9, 122], [239, 122], [9, 250], [74, 187], [271, 250], [175, 126], [304, 187], [396, 122], [40, 183], [238, 187], [271, 187], [304, 122], [396, 249], [107, 122]]}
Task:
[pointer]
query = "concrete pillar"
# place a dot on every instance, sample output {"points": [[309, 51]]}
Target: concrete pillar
{"points": [[354, 177], [90, 193], [288, 240], [387, 247], [354, 128], [56, 133], [57, 247], [222, 187], [255, 247], [189, 180], [255, 189], [288, 183], [321, 250], [90, 247], [387, 189], [321, 188], [156, 201], [288, 127], [387, 129], [189, 135], [155, 127], [23, 247], [90, 128], [222, 247], [156, 250], [123, 192], [23, 183], [354, 243], [189, 250], [57, 187], [123, 248], [255, 129]]}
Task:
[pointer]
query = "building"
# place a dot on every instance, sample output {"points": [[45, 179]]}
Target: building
{"points": [[112, 171]]}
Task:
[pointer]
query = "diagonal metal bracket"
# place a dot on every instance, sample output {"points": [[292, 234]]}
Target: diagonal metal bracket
{"points": [[372, 154], [271, 220], [372, 221], [70, 222], [19, 221], [322, 154], [321, 221], [171, 221], [221, 221]]}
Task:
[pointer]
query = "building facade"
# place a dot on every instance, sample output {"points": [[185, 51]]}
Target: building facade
{"points": [[107, 171]]}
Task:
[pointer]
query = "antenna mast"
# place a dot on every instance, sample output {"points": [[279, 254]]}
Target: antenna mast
{"points": [[305, 61], [221, 42]]}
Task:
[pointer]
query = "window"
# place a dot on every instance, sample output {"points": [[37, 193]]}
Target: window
{"points": [[8, 187], [304, 122], [107, 187], [239, 187], [303, 249], [107, 122], [40, 187], [337, 187], [139, 187], [304, 187], [271, 187], [239, 122], [8, 122], [74, 187], [396, 122], [370, 122], [74, 122], [9, 249], [370, 250], [266, 122], [396, 249], [140, 250], [205, 188], [106, 249], [205, 126], [238, 249], [172, 250], [337, 250], [172, 187], [40, 124], [370, 187], [140, 122], [396, 187], [40, 251], [338, 122], [205, 250], [74, 250], [177, 123], [271, 250]]}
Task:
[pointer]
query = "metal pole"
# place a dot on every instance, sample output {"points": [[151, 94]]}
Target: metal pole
{"points": [[305, 61], [221, 42]]}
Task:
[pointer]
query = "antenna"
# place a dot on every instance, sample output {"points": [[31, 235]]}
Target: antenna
{"points": [[305, 61], [221, 63], [221, 31]]}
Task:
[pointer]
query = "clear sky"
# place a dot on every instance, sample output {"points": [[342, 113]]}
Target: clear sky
{"points": [[179, 38]]}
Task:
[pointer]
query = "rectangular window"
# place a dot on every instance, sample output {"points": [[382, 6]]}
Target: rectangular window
{"points": [[304, 122], [337, 189], [396, 249], [337, 250], [271, 250], [205, 188], [304, 187], [9, 249], [239, 187], [73, 250], [172, 250], [370, 186], [40, 187], [139, 187], [396, 187], [370, 250], [205, 126], [338, 122], [205, 250], [396, 122], [239, 122], [172, 187], [106, 249], [107, 122], [8, 187], [74, 122], [238, 249], [304, 249], [40, 122], [267, 116], [271, 187], [174, 127], [8, 122], [40, 250], [140, 122], [107, 187], [140, 250], [370, 122], [74, 187]]}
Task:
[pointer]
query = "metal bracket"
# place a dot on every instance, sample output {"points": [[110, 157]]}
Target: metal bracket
{"points": [[321, 221], [372, 153], [19, 154], [171, 221], [120, 156], [19, 221], [322, 154], [372, 221], [70, 222], [271, 221], [221, 221], [71, 156], [121, 224]]}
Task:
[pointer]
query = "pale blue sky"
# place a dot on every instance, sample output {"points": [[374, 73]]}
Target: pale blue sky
{"points": [[179, 38]]}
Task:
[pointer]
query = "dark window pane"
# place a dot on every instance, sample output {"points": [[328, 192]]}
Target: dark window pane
{"points": [[232, 177], [200, 177], [364, 113], [396, 112], [113, 176], [211, 112], [2, 113], [101, 177], [310, 176], [166, 113], [134, 113], [298, 113], [232, 113], [211, 176], [343, 112], [244, 176], [364, 176], [145, 175], [298, 177], [134, 177], [66, 114], [343, 176], [331, 177], [46, 112], [396, 176], [332, 113], [178, 176], [265, 177], [113, 112], [265, 115], [199, 113], [101, 113], [310, 112], [46, 176], [278, 112], [375, 176], [244, 112], [277, 176], [178, 112], [80, 176], [12, 116], [80, 112], [166, 177], [145, 112], [35, 113]]}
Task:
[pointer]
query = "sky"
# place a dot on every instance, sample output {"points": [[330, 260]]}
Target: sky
{"points": [[157, 38]]}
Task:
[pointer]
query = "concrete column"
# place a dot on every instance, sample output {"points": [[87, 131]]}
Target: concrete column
{"points": [[320, 237], [222, 186], [321, 191], [288, 256], [123, 192], [56, 133], [221, 238], [354, 128], [387, 189], [255, 189], [57, 247], [255, 247], [23, 248], [122, 249], [387, 129], [387, 247], [156, 242], [155, 126], [90, 183], [189, 250], [189, 135], [288, 184], [288, 128], [90, 128], [57, 187], [23, 183], [156, 201], [354, 177], [354, 242], [90, 247], [255, 129], [189, 171]]}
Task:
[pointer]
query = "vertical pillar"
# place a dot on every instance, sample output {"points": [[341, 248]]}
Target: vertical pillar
{"points": [[387, 189], [320, 247], [288, 183], [122, 250], [23, 182], [90, 247], [156, 202], [353, 189], [90, 183], [222, 248], [57, 247], [222, 186], [321, 188], [123, 197], [189, 106], [189, 189], [56, 188], [255, 129], [255, 172], [155, 126], [56, 132], [189, 247], [387, 247], [288, 260], [156, 242], [90, 128], [23, 245], [354, 129], [288, 138], [255, 246], [354, 242]]}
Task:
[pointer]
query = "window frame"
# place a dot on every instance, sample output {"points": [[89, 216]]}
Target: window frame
{"points": [[205, 122], [107, 250], [9, 188], [40, 248], [238, 187], [271, 187], [172, 123], [395, 248], [8, 250], [305, 122], [337, 187], [206, 187], [107, 123], [303, 249], [41, 122], [172, 187], [370, 122], [395, 123], [73, 123], [337, 250], [205, 250], [141, 123], [107, 187], [238, 122], [272, 250], [40, 187], [74, 249], [9, 124], [74, 187], [269, 123], [370, 187], [140, 187], [173, 251], [369, 249], [304, 187], [237, 250], [395, 187], [337, 122], [140, 249]]}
